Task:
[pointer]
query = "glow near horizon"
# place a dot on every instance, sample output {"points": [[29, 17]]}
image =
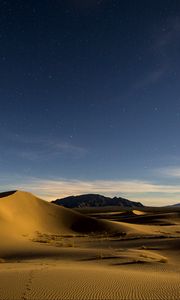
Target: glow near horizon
{"points": [[146, 192]]}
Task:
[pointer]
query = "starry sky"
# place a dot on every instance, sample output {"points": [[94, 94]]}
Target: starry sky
{"points": [[90, 98]]}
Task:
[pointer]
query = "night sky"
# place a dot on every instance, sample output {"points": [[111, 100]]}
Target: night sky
{"points": [[90, 98]]}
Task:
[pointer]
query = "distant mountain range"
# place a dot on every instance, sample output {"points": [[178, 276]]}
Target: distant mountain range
{"points": [[173, 205], [95, 200], [176, 205]]}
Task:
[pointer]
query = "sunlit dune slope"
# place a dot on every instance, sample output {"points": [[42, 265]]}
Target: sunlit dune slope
{"points": [[138, 213], [23, 213]]}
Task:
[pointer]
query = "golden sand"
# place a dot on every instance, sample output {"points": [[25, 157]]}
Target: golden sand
{"points": [[50, 252]]}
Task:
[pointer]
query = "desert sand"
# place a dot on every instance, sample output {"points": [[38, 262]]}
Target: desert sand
{"points": [[51, 252]]}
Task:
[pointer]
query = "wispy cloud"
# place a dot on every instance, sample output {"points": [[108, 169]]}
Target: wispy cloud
{"points": [[150, 78], [163, 44], [170, 171], [35, 148], [148, 192], [168, 35], [51, 150]]}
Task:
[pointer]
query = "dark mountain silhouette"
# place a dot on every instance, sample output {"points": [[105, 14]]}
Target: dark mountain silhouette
{"points": [[95, 200], [176, 205]]}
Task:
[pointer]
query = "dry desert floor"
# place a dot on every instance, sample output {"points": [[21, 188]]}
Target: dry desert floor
{"points": [[50, 252]]}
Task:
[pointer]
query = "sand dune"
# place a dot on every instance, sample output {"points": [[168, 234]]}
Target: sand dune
{"points": [[51, 252], [142, 217], [23, 213], [138, 212]]}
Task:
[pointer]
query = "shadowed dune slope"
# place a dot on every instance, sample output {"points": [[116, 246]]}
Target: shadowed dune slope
{"points": [[168, 218], [5, 194], [141, 218]]}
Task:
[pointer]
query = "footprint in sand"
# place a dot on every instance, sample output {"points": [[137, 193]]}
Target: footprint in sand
{"points": [[28, 285]]}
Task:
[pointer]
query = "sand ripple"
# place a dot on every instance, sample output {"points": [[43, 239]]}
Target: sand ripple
{"points": [[78, 281]]}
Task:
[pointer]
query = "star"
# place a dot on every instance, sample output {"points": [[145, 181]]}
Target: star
{"points": [[156, 109]]}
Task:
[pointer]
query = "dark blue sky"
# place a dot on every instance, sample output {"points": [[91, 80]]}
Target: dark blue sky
{"points": [[90, 95]]}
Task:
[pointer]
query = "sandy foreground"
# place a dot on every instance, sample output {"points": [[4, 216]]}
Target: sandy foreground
{"points": [[49, 252]]}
